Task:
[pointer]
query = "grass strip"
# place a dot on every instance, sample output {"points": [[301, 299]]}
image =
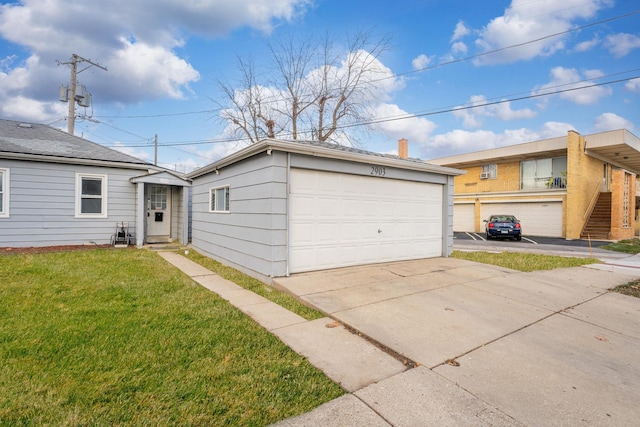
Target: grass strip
{"points": [[254, 285], [631, 289], [120, 337], [523, 261], [628, 246]]}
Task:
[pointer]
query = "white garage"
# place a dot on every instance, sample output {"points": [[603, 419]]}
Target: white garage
{"points": [[464, 217], [338, 220], [537, 218], [282, 207]]}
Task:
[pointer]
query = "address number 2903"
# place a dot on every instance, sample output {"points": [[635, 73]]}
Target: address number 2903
{"points": [[378, 171]]}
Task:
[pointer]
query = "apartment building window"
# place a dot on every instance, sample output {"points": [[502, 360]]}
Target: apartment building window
{"points": [[489, 171], [542, 174]]}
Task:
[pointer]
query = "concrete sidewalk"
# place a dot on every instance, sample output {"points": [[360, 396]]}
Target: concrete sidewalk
{"points": [[493, 346], [346, 358]]}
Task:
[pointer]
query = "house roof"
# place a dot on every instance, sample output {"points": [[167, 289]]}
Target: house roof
{"points": [[165, 177], [325, 150], [32, 141], [619, 147]]}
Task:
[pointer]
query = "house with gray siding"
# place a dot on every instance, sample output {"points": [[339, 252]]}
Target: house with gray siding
{"points": [[282, 207], [59, 189]]}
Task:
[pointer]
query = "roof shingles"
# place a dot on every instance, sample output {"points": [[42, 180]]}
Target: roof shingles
{"points": [[42, 140]]}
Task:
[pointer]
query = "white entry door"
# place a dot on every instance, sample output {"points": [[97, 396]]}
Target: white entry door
{"points": [[158, 214], [339, 220]]}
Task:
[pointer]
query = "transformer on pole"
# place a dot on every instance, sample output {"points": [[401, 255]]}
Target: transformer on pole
{"points": [[70, 94]]}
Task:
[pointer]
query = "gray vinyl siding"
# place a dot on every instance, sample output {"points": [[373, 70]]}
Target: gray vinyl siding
{"points": [[43, 199], [253, 235]]}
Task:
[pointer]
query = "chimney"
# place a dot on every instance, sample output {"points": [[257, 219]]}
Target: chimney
{"points": [[403, 148]]}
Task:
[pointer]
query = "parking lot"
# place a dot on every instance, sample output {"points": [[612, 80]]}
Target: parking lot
{"points": [[526, 240]]}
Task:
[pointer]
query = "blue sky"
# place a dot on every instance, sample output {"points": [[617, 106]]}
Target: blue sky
{"points": [[164, 59]]}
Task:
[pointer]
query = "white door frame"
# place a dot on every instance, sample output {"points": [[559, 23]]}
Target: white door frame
{"points": [[158, 213]]}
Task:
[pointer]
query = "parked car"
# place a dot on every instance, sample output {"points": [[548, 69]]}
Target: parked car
{"points": [[503, 226]]}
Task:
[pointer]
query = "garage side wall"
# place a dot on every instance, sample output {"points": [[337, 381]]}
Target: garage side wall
{"points": [[42, 205], [252, 235]]}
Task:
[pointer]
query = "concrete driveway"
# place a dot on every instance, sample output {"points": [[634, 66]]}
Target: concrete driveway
{"points": [[543, 348]]}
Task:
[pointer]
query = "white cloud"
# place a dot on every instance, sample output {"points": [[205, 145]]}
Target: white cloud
{"points": [[460, 31], [143, 70], [611, 121], [138, 41], [555, 129], [415, 129], [570, 78], [462, 141], [20, 107], [633, 85], [525, 20], [420, 62], [621, 44], [459, 47], [472, 117], [197, 157], [131, 151], [586, 45]]}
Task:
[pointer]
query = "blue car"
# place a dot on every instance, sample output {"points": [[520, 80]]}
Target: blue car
{"points": [[503, 226]]}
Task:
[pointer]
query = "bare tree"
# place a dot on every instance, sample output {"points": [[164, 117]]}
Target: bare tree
{"points": [[346, 86], [249, 110], [314, 89]]}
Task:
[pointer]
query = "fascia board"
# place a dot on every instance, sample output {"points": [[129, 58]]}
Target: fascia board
{"points": [[74, 161], [325, 152]]}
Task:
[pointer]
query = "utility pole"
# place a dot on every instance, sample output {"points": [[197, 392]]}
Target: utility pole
{"points": [[155, 144], [73, 81]]}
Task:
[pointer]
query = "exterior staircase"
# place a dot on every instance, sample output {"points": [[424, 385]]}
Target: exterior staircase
{"points": [[598, 226]]}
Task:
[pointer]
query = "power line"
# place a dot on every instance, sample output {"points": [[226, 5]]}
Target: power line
{"points": [[489, 52], [432, 113], [486, 104], [395, 75]]}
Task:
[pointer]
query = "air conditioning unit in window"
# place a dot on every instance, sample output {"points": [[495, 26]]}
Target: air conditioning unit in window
{"points": [[484, 175]]}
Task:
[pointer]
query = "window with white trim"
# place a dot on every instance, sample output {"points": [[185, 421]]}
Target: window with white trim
{"points": [[490, 171], [91, 196], [219, 199], [4, 193]]}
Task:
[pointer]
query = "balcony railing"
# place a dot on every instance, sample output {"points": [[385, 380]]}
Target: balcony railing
{"points": [[499, 186]]}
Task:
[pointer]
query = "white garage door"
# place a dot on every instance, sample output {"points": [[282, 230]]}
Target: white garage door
{"points": [[464, 217], [537, 218], [339, 220]]}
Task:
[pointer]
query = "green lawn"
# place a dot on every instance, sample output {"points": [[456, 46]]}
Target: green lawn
{"points": [[523, 261], [254, 285], [629, 246], [120, 337]]}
